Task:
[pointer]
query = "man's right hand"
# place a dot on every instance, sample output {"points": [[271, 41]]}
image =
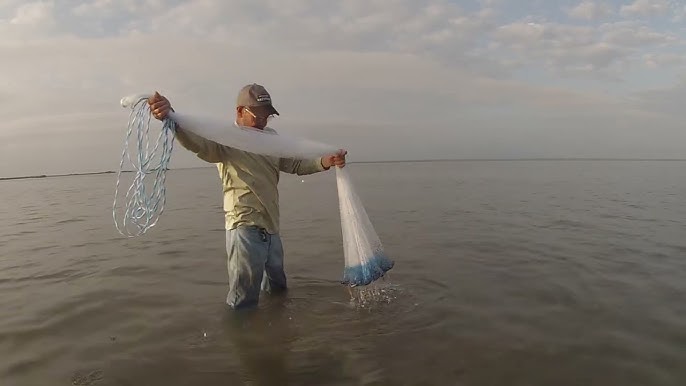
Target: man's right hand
{"points": [[159, 106]]}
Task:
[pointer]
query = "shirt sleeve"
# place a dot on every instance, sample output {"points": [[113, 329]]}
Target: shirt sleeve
{"points": [[301, 167], [205, 149]]}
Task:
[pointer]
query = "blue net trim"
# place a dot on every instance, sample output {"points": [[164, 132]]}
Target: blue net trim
{"points": [[372, 269]]}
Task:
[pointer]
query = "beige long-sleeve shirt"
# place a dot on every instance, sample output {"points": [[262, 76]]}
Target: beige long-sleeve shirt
{"points": [[249, 180]]}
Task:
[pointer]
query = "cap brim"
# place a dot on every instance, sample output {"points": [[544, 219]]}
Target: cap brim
{"points": [[266, 110]]}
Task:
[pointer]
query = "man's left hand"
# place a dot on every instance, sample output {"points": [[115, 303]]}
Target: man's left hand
{"points": [[337, 159]]}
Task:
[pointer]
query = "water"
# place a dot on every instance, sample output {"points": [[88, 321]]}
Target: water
{"points": [[516, 273]]}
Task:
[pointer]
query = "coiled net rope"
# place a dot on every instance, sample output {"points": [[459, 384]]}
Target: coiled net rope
{"points": [[143, 205], [365, 259]]}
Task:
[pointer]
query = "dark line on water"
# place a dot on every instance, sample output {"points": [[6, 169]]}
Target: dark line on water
{"points": [[387, 162], [54, 175], [523, 159]]}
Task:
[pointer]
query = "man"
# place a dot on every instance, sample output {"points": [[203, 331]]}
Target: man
{"points": [[251, 198]]}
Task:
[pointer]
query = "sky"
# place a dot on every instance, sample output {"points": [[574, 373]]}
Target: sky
{"points": [[384, 79]]}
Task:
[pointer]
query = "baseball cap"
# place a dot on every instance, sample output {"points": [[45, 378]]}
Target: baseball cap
{"points": [[256, 98]]}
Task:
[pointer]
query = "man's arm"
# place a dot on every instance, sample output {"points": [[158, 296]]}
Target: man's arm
{"points": [[301, 167], [205, 149]]}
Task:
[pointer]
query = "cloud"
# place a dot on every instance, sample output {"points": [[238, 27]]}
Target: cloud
{"points": [[562, 48], [352, 81], [440, 29], [27, 20], [590, 10], [603, 51], [34, 14], [646, 8], [657, 61], [466, 38], [679, 9], [630, 34]]}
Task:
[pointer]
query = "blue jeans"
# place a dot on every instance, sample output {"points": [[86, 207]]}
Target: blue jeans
{"points": [[254, 263]]}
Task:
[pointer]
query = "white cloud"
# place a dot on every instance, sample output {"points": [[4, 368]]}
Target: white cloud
{"points": [[646, 8], [630, 34], [562, 48], [590, 10], [679, 9], [397, 26], [27, 20], [661, 60], [34, 14], [441, 28], [603, 51], [119, 66]]}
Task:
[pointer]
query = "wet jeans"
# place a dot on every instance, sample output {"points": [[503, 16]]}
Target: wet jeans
{"points": [[254, 263]]}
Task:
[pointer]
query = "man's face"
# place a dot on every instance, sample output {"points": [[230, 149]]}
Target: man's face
{"points": [[254, 117]]}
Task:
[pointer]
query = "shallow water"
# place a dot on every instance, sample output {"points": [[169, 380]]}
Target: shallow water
{"points": [[517, 273]]}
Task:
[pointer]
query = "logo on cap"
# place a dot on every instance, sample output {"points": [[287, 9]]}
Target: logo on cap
{"points": [[264, 98]]}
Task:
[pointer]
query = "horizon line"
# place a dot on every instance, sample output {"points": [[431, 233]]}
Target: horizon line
{"points": [[373, 162]]}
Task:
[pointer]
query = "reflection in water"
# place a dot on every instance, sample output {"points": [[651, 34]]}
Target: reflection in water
{"points": [[263, 339], [284, 341]]}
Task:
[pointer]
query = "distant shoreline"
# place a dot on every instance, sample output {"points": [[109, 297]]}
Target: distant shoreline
{"points": [[523, 159], [380, 162], [54, 175]]}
